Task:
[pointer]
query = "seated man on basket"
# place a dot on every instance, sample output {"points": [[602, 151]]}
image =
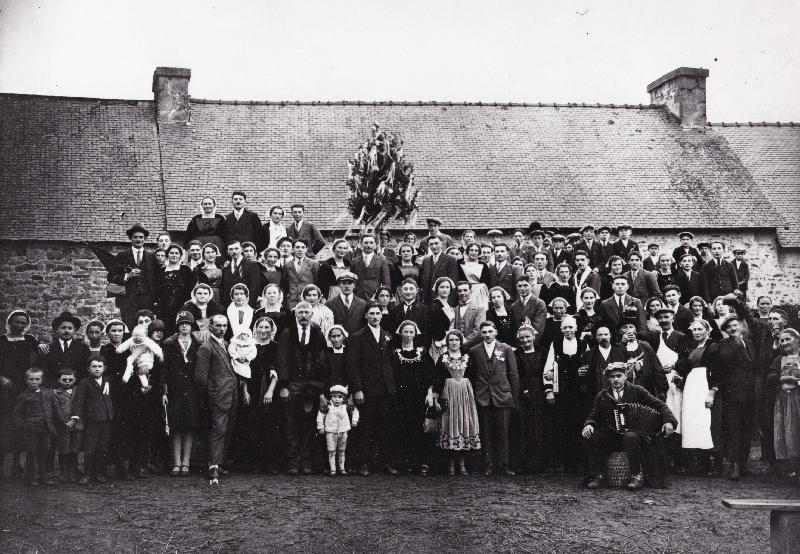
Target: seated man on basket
{"points": [[606, 429]]}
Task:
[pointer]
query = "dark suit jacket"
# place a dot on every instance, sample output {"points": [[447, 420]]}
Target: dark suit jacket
{"points": [[595, 252], [721, 279], [370, 277], [619, 249], [608, 308], [680, 251], [743, 273], [593, 358], [561, 257], [737, 370], [139, 294], [677, 341], [602, 414], [214, 375], [420, 314], [293, 282], [649, 264], [76, 357], [370, 364], [495, 381], [605, 253], [693, 285], [246, 228], [683, 318], [309, 233], [534, 311], [506, 278], [89, 402], [529, 251], [28, 406], [248, 273], [446, 266], [592, 280], [646, 285], [290, 366], [353, 319]]}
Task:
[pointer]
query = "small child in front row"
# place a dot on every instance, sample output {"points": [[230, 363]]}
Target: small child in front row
{"points": [[70, 440], [36, 416], [92, 405], [334, 424]]}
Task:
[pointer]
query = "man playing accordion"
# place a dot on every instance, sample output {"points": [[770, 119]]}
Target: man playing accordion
{"points": [[623, 417]]}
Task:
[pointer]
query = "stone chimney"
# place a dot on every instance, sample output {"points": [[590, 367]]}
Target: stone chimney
{"points": [[171, 91], [683, 92]]}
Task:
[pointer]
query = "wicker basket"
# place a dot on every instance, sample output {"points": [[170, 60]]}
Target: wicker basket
{"points": [[618, 472]]}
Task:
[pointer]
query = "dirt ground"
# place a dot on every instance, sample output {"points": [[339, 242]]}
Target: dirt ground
{"points": [[381, 513]]}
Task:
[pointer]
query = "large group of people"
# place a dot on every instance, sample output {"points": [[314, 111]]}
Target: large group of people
{"points": [[529, 351]]}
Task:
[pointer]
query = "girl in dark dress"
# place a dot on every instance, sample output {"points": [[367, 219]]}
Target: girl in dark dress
{"points": [[178, 392], [442, 316], [335, 357], [616, 265], [561, 287], [202, 306], [405, 267], [385, 299], [208, 271], [664, 273], [207, 226], [565, 383], [18, 351], [173, 287], [498, 314], [413, 378], [330, 269], [270, 305], [271, 274], [588, 318]]}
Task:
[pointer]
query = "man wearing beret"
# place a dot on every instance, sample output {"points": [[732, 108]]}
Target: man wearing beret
{"points": [[135, 272], [434, 223], [591, 246], [686, 247], [601, 434], [558, 254], [650, 262]]}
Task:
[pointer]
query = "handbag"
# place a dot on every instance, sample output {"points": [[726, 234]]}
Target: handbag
{"points": [[433, 418]]}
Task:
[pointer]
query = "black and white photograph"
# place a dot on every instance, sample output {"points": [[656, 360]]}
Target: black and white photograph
{"points": [[423, 276]]}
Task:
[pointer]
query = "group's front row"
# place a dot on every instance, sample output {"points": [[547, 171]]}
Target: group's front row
{"points": [[544, 405]]}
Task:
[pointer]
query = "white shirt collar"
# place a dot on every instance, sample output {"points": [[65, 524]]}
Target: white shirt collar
{"points": [[338, 350], [376, 332], [238, 213], [490, 347]]}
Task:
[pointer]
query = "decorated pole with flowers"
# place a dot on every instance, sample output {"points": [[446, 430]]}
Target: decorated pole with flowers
{"points": [[381, 183]]}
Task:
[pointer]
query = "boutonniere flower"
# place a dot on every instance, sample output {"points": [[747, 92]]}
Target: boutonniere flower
{"points": [[387, 338], [500, 358]]}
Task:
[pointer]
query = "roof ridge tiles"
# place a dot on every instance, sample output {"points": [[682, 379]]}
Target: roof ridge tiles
{"points": [[753, 124], [424, 103]]}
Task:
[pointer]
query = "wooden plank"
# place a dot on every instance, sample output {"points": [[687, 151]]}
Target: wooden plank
{"points": [[763, 504]]}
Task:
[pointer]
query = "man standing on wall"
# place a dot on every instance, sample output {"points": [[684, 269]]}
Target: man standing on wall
{"points": [[135, 273]]}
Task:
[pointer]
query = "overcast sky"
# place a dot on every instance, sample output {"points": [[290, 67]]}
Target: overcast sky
{"points": [[522, 51]]}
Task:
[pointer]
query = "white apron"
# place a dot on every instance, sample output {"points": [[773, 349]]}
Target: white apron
{"points": [[696, 431]]}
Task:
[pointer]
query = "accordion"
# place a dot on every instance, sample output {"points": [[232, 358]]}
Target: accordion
{"points": [[638, 418]]}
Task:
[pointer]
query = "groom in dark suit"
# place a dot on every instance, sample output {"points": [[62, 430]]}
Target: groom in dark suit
{"points": [[434, 266], [135, 273], [214, 376], [493, 372]]}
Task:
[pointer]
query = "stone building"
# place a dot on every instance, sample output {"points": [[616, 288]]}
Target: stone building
{"points": [[84, 169]]}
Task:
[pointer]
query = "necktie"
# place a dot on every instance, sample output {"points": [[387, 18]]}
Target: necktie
{"points": [[746, 351], [405, 309], [303, 336], [138, 257], [664, 336], [347, 301], [64, 346], [241, 317], [619, 306]]}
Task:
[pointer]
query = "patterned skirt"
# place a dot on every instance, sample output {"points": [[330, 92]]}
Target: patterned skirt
{"points": [[459, 429], [787, 425]]}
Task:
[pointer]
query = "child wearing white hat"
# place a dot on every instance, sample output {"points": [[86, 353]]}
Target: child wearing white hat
{"points": [[334, 423]]}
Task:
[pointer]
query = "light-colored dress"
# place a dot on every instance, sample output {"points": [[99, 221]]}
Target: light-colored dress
{"points": [[669, 357], [480, 292], [694, 416], [459, 429]]}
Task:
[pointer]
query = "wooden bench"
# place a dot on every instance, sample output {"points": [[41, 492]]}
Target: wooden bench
{"points": [[784, 522]]}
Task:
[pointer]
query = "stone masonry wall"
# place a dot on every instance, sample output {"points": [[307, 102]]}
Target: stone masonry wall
{"points": [[46, 278]]}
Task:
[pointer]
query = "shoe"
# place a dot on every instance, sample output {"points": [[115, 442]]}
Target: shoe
{"points": [[637, 482], [735, 472], [462, 469], [175, 471], [142, 474], [273, 470], [332, 473], [390, 470], [84, 480], [49, 482], [424, 470], [306, 471], [596, 482], [293, 471], [184, 471], [100, 478], [364, 471], [343, 472], [488, 470], [213, 476]]}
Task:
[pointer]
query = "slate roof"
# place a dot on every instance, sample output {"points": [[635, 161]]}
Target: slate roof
{"points": [[72, 166], [77, 169], [772, 155]]}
